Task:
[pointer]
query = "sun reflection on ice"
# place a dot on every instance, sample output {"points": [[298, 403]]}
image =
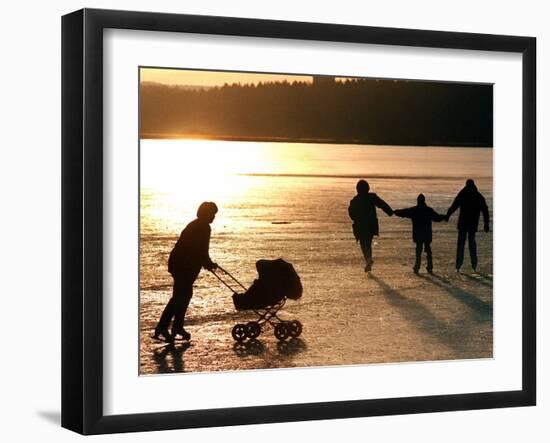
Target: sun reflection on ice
{"points": [[188, 172]]}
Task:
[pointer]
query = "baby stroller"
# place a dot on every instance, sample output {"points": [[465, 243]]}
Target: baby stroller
{"points": [[277, 281]]}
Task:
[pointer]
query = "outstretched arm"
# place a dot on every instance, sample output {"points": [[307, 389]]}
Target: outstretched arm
{"points": [[405, 213], [383, 205]]}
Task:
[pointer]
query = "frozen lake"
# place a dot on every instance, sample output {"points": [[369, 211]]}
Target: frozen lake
{"points": [[348, 318]]}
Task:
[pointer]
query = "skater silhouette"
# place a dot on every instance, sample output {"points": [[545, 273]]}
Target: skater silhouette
{"points": [[471, 204], [422, 217], [362, 210], [188, 256]]}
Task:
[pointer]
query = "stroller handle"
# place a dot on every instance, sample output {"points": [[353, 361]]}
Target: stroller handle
{"points": [[232, 278]]}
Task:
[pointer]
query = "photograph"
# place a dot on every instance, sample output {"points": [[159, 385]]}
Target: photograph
{"points": [[293, 220]]}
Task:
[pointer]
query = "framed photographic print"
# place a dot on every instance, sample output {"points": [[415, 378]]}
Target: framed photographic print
{"points": [[269, 221]]}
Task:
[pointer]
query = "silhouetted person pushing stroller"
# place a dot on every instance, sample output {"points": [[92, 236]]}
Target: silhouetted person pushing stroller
{"points": [[471, 204], [188, 256], [362, 210], [422, 217]]}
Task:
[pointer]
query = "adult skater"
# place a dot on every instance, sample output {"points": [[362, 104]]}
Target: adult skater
{"points": [[471, 204], [188, 257]]}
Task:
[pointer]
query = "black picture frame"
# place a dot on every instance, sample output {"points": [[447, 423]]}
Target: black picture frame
{"points": [[82, 218]]}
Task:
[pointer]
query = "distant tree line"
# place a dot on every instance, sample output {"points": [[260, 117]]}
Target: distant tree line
{"points": [[355, 111]]}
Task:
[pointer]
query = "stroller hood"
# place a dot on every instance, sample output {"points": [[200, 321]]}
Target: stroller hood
{"points": [[281, 276]]}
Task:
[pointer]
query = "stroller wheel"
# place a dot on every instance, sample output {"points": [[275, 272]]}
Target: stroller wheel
{"points": [[253, 329], [294, 328], [239, 332], [281, 331]]}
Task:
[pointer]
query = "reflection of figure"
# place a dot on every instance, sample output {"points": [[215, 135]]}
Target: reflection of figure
{"points": [[173, 354], [422, 216], [362, 210], [187, 258], [471, 204]]}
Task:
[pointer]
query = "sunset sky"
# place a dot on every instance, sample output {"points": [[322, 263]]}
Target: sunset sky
{"points": [[211, 78]]}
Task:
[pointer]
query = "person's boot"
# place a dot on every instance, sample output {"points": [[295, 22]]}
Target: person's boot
{"points": [[184, 334], [163, 334]]}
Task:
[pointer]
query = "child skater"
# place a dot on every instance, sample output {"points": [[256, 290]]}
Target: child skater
{"points": [[422, 216]]}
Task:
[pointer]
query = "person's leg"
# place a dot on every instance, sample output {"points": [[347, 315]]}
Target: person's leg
{"points": [[167, 314], [429, 259], [418, 260], [181, 303], [472, 246], [366, 248], [460, 249]]}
